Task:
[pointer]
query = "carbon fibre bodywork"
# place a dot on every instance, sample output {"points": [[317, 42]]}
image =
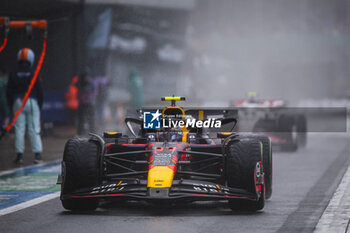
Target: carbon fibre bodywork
{"points": [[197, 173], [168, 164]]}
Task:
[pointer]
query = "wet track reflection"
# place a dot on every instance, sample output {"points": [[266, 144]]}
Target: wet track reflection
{"points": [[303, 183]]}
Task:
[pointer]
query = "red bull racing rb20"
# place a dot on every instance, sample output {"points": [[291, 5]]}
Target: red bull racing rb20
{"points": [[172, 158]]}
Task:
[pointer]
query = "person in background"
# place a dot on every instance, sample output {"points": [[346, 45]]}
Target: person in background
{"points": [[101, 83], [136, 89], [17, 86], [4, 109], [87, 99], [72, 101]]}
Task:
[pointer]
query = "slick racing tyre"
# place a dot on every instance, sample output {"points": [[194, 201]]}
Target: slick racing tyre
{"points": [[244, 155], [80, 169]]}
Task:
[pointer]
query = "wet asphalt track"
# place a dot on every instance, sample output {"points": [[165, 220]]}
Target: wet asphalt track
{"points": [[303, 184]]}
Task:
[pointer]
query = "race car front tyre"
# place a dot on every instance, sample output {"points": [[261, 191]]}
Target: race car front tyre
{"points": [[80, 169], [244, 155], [267, 162]]}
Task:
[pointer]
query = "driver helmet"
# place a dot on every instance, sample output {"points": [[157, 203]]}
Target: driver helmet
{"points": [[252, 97], [27, 55]]}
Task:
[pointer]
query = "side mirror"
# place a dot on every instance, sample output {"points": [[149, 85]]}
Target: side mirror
{"points": [[228, 120], [130, 120]]}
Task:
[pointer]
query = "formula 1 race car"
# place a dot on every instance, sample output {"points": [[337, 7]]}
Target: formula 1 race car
{"points": [[172, 158], [285, 126]]}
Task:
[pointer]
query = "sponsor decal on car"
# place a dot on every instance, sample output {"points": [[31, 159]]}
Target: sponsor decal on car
{"points": [[193, 123], [153, 120]]}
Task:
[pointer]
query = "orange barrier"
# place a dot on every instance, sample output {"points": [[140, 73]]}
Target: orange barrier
{"points": [[21, 23], [35, 24], [5, 22]]}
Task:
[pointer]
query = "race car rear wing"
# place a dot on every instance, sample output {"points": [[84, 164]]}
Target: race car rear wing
{"points": [[198, 113], [225, 115]]}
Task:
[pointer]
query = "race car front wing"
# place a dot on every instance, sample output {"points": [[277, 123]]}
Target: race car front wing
{"points": [[181, 189]]}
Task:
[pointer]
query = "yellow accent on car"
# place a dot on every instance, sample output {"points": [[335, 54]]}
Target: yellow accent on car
{"points": [[171, 98], [200, 115], [226, 133], [252, 94], [183, 129], [184, 137], [160, 177], [112, 133]]}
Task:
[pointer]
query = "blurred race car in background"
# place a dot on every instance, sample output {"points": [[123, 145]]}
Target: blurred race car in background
{"points": [[169, 158], [286, 129]]}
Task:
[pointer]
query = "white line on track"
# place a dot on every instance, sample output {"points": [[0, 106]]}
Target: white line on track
{"points": [[33, 201], [29, 203], [30, 166], [336, 217]]}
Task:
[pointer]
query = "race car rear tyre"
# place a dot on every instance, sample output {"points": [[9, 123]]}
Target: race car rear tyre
{"points": [[243, 155], [265, 125], [287, 127], [301, 126], [80, 169]]}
